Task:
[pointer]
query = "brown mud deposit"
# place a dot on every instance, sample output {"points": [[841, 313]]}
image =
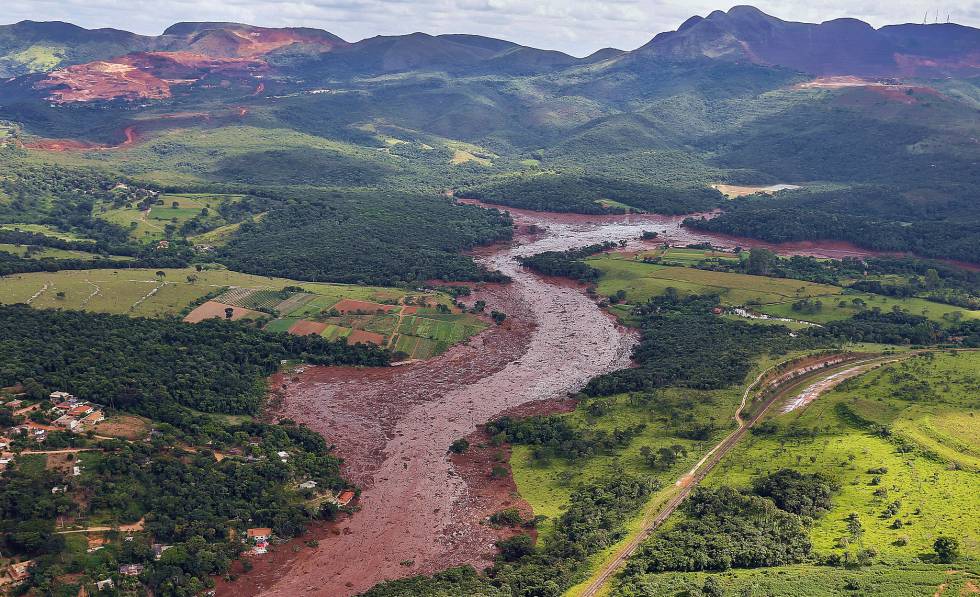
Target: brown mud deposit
{"points": [[393, 426], [669, 229], [420, 509]]}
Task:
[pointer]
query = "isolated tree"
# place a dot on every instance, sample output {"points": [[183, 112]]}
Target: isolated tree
{"points": [[229, 312], [459, 446], [947, 549], [761, 261]]}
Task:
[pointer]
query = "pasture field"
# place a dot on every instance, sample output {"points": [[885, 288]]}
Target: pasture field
{"points": [[150, 225], [335, 332], [452, 329], [644, 280], [692, 256], [119, 290], [618, 205], [925, 466], [45, 230], [547, 483], [773, 296], [881, 580], [53, 253], [281, 325], [222, 234], [833, 309], [904, 397]]}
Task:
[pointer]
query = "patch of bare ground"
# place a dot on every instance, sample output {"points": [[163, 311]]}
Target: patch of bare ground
{"points": [[123, 426]]}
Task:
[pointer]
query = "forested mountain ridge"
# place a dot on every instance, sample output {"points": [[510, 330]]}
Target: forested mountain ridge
{"points": [[876, 127]]}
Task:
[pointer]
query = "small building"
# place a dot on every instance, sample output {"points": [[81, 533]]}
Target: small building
{"points": [[93, 418], [63, 407], [59, 489], [20, 571], [345, 497], [105, 584], [131, 569], [308, 485], [259, 534], [14, 404], [81, 410], [67, 421], [60, 397], [283, 455]]}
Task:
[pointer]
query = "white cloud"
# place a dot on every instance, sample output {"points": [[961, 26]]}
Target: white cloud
{"points": [[575, 26]]}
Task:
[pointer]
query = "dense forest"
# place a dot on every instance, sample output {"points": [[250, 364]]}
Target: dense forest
{"points": [[213, 366], [567, 264], [721, 529], [373, 238], [706, 351], [879, 218]]}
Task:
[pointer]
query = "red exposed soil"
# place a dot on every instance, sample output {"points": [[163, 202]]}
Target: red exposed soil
{"points": [[140, 76], [212, 309], [307, 328], [135, 133], [363, 337]]}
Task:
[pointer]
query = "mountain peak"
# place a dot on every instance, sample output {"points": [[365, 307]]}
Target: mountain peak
{"points": [[843, 46]]}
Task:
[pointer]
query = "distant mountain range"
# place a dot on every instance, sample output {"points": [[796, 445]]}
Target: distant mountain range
{"points": [[88, 64]]}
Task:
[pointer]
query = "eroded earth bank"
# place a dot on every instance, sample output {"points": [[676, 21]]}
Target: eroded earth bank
{"points": [[393, 426]]}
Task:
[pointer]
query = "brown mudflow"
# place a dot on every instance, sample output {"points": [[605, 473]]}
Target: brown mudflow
{"points": [[392, 426]]}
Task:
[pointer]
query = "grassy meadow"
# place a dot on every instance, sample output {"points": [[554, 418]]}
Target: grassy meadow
{"points": [[773, 296], [907, 487]]}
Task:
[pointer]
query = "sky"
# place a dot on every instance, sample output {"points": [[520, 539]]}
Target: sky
{"points": [[578, 27]]}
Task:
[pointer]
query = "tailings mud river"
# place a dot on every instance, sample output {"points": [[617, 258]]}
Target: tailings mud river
{"points": [[393, 425]]}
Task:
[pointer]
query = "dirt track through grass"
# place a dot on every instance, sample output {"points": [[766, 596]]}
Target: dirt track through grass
{"points": [[686, 484]]}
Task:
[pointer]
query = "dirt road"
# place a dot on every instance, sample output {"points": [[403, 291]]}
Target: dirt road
{"points": [[686, 484]]}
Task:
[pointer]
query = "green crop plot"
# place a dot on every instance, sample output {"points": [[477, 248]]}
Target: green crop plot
{"points": [[335, 332], [281, 325]]}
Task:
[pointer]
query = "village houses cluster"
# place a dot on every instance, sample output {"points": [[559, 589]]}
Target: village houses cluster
{"points": [[67, 413]]}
